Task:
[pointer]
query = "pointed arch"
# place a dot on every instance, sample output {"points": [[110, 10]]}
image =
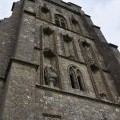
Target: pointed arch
{"points": [[76, 78], [72, 77], [80, 80]]}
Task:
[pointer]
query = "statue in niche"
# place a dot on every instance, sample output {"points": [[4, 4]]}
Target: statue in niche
{"points": [[50, 76]]}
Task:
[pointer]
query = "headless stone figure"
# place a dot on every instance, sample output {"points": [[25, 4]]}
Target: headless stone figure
{"points": [[51, 76]]}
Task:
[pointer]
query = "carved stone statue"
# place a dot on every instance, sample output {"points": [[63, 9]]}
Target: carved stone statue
{"points": [[51, 76]]}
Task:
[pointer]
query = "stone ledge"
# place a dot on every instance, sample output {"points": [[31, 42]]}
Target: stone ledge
{"points": [[76, 95], [13, 6], [25, 62], [18, 61], [112, 45], [87, 15], [30, 13], [96, 26], [80, 62]]}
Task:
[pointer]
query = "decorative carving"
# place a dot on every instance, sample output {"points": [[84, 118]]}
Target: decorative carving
{"points": [[91, 61], [45, 9], [49, 53], [47, 31], [67, 38], [50, 76], [85, 44], [94, 67], [74, 21], [103, 95]]}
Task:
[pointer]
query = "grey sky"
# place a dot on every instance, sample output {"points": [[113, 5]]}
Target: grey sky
{"points": [[104, 13]]}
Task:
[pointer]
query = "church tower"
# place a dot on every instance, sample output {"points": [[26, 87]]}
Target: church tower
{"points": [[55, 64]]}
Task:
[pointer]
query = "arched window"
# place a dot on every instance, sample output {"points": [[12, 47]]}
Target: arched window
{"points": [[72, 78], [76, 78], [80, 80], [60, 21]]}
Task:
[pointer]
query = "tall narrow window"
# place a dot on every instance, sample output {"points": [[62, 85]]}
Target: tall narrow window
{"points": [[60, 21], [72, 77], [76, 78], [80, 81]]}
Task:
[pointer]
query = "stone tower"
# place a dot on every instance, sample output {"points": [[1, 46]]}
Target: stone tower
{"points": [[55, 64]]}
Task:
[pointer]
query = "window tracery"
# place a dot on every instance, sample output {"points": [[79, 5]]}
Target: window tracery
{"points": [[60, 21], [76, 78]]}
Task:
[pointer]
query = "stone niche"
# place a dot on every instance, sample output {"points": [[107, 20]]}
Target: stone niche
{"points": [[74, 108], [50, 76]]}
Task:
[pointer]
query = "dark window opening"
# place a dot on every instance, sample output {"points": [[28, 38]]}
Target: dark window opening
{"points": [[72, 81], [45, 78], [80, 83]]}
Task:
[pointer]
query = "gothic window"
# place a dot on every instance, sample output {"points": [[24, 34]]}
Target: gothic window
{"points": [[80, 80], [72, 78], [74, 21], [76, 78], [60, 21]]}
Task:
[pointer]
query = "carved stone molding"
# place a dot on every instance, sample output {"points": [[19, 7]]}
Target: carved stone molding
{"points": [[74, 21], [94, 67], [45, 9], [49, 53], [85, 44], [67, 38], [47, 31]]}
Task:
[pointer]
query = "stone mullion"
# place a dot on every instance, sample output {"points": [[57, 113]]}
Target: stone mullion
{"points": [[90, 72], [41, 56], [69, 50], [57, 61], [76, 81], [52, 47], [72, 28], [40, 13], [103, 77], [75, 51], [62, 44], [50, 16]]}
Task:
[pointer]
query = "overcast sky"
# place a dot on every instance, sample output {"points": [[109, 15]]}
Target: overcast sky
{"points": [[104, 13]]}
